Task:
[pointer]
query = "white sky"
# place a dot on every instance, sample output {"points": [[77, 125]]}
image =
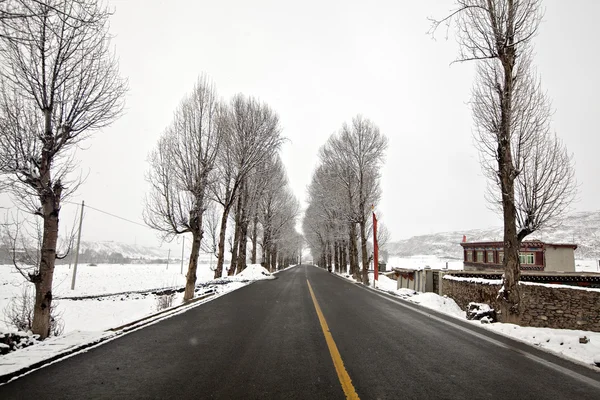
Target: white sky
{"points": [[319, 63]]}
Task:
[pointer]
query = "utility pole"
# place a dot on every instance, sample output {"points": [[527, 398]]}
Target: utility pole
{"points": [[168, 258], [182, 248], [77, 248]]}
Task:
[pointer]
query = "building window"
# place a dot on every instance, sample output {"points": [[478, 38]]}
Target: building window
{"points": [[500, 257], [527, 258], [490, 257], [469, 256], [480, 258]]}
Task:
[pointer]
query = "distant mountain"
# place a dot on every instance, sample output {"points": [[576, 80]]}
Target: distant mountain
{"points": [[109, 252], [582, 228], [127, 250]]}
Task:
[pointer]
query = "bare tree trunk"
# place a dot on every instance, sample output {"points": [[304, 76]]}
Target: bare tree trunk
{"points": [[236, 237], [354, 267], [336, 258], [274, 258], [344, 251], [510, 296], [190, 278], [254, 236], [221, 255], [329, 255], [43, 280], [365, 255], [241, 264]]}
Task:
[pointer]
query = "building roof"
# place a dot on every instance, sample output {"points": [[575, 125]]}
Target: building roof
{"points": [[529, 243]]}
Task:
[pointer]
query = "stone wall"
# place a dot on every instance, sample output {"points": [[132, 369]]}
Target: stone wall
{"points": [[548, 306]]}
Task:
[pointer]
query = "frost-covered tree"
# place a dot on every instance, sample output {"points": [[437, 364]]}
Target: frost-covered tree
{"points": [[182, 167], [59, 83], [253, 135], [529, 168], [355, 156], [341, 194]]}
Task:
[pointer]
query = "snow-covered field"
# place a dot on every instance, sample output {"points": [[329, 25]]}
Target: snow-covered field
{"points": [[564, 342], [107, 312], [87, 321]]}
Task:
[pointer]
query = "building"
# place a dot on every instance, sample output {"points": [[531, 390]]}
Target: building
{"points": [[534, 256]]}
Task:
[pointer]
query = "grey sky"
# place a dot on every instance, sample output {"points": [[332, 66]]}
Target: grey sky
{"points": [[319, 63]]}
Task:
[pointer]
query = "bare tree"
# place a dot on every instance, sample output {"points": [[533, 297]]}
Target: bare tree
{"points": [[356, 156], [181, 171], [59, 83], [279, 210], [211, 230], [253, 135], [530, 170]]}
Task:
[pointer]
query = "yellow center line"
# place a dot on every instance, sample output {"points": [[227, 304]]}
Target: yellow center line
{"points": [[342, 374]]}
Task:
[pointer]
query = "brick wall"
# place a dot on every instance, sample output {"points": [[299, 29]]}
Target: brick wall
{"points": [[548, 306]]}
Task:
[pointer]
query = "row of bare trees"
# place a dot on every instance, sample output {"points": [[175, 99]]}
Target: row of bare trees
{"points": [[216, 155], [343, 189], [530, 171], [59, 83]]}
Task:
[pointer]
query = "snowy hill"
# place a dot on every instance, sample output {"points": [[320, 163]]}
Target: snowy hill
{"points": [[127, 250], [582, 228], [105, 253]]}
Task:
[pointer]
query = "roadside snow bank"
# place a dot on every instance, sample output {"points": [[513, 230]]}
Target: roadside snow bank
{"points": [[385, 283], [562, 341], [255, 272], [436, 302], [565, 342]]}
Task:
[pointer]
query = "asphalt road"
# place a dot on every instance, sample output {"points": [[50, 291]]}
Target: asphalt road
{"points": [[265, 341]]}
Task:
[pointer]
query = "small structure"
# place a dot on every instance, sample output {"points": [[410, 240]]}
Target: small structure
{"points": [[534, 256]]}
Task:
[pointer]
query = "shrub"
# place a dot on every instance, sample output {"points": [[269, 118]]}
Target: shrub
{"points": [[19, 313], [164, 301]]}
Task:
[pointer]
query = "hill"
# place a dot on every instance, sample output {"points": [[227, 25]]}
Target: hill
{"points": [[582, 228]]}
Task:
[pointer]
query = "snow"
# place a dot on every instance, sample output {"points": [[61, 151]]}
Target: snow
{"points": [[482, 281], [551, 285], [405, 292], [587, 265], [440, 303], [564, 342], [86, 321], [255, 272], [384, 283], [18, 360], [100, 280], [420, 262]]}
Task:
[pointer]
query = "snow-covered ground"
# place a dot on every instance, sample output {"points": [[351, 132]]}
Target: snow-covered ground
{"points": [[564, 342], [587, 265], [422, 261], [87, 321], [108, 312]]}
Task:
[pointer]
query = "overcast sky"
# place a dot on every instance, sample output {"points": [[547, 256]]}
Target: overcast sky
{"points": [[319, 63]]}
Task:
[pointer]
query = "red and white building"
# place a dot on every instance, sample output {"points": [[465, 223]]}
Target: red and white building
{"points": [[534, 256]]}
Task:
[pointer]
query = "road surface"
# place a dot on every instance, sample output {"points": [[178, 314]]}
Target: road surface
{"points": [[309, 335]]}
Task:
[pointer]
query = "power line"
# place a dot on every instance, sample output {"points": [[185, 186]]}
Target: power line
{"points": [[111, 214]]}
